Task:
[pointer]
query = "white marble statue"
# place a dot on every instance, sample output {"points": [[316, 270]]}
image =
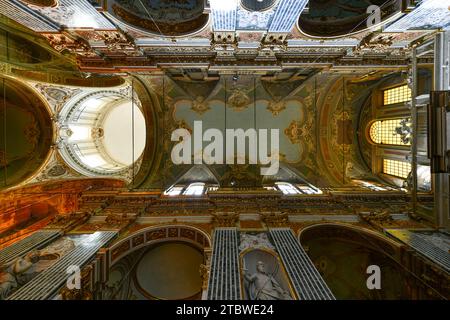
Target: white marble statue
{"points": [[263, 286]]}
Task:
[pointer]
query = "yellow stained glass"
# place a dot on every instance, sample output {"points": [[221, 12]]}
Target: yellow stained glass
{"points": [[397, 95], [396, 168], [383, 132]]}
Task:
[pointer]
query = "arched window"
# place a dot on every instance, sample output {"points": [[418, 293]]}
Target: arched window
{"points": [[372, 186], [391, 132], [309, 190], [174, 191], [287, 188], [396, 95], [195, 189]]}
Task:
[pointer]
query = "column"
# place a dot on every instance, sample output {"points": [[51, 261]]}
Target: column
{"points": [[307, 281], [224, 282]]}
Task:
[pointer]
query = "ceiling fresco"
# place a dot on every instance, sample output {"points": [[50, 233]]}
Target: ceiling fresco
{"points": [[40, 202], [318, 129], [340, 103], [232, 104], [329, 18], [161, 16]]}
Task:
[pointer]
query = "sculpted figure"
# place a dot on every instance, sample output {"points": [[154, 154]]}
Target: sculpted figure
{"points": [[15, 274], [263, 286], [23, 269]]}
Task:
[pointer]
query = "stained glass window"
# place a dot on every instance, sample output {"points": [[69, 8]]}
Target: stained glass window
{"points": [[397, 95], [391, 132], [396, 168]]}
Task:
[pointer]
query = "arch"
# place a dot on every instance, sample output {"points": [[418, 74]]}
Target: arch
{"points": [[27, 132], [152, 109], [342, 252], [70, 78], [155, 276], [338, 18], [167, 18], [389, 132], [158, 234], [388, 244]]}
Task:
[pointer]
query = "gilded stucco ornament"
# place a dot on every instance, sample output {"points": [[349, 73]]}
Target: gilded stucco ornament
{"points": [[255, 241], [56, 96], [225, 219], [276, 106], [296, 132], [239, 99], [275, 219], [199, 105]]}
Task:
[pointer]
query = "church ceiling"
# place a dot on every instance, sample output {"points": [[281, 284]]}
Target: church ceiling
{"points": [[317, 126], [317, 115], [155, 35], [96, 96]]}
